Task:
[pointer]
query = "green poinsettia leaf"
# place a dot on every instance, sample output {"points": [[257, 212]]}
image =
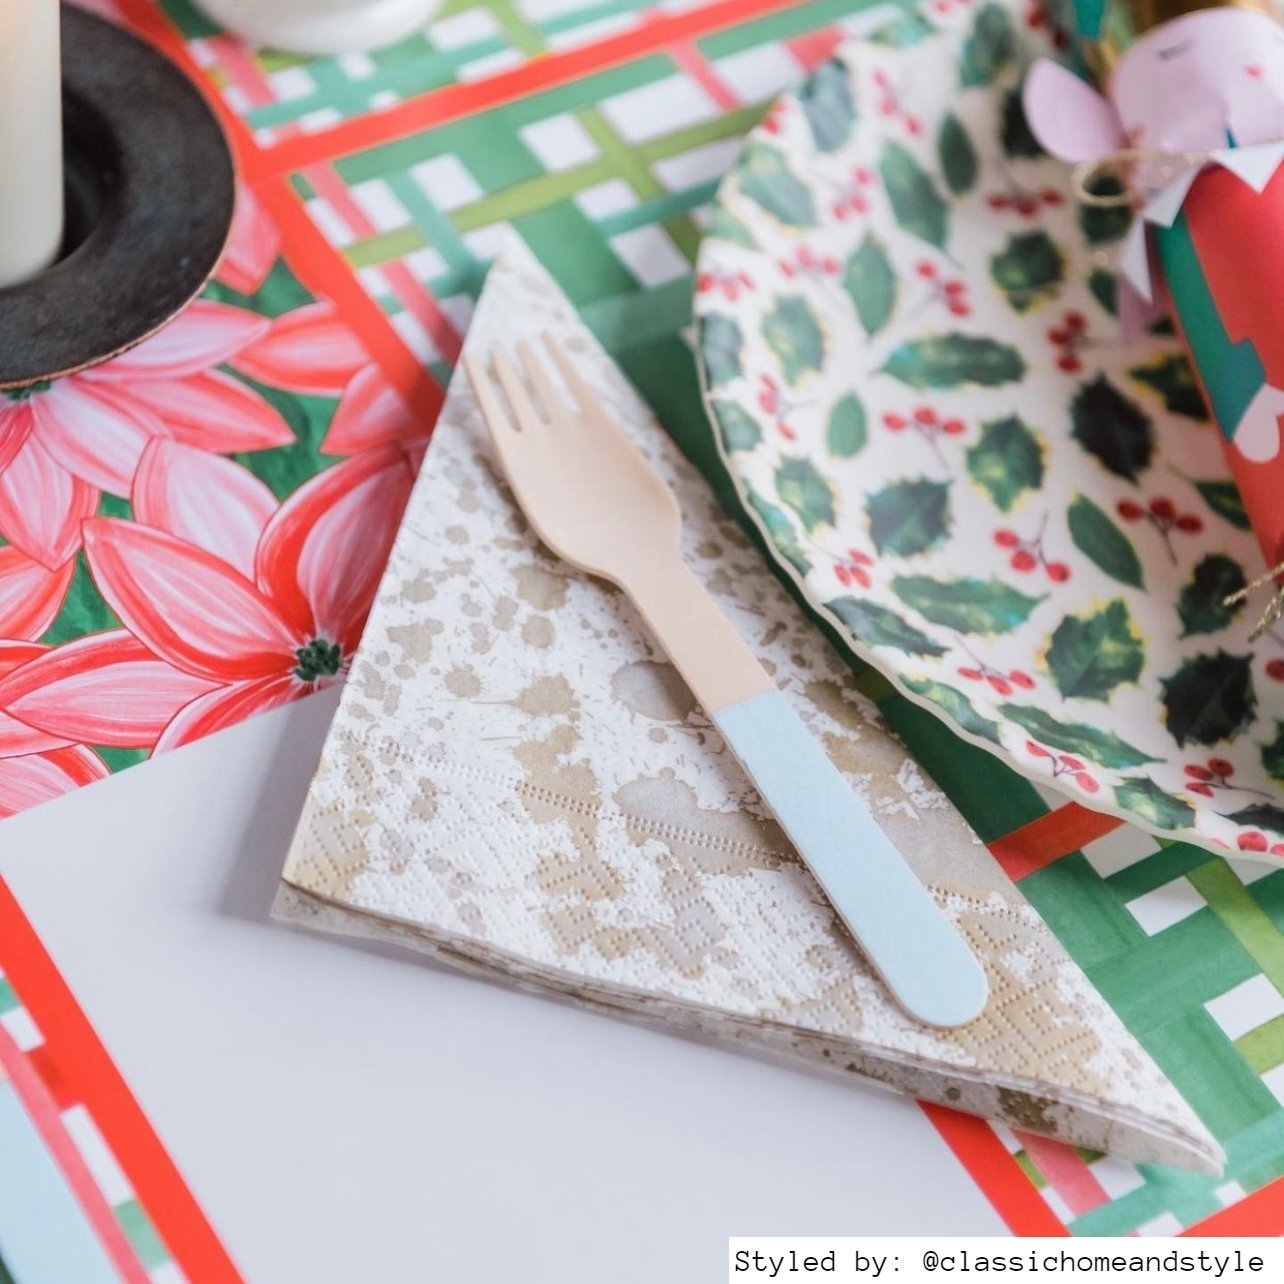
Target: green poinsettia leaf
{"points": [[986, 607], [1210, 698], [952, 360], [781, 532], [909, 27], [1030, 267], [956, 706], [1142, 797], [1273, 755], [1007, 461], [793, 334], [1224, 499], [766, 179], [847, 432], [877, 625], [1102, 748], [958, 157], [917, 206], [721, 344], [738, 428], [828, 104], [1201, 604], [1105, 289], [1102, 224], [988, 51], [801, 486], [1113, 428], [725, 226], [872, 284], [1173, 379], [1019, 142], [1097, 537], [909, 517], [1260, 816], [1090, 655]]}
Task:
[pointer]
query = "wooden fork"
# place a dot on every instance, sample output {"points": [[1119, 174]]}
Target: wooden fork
{"points": [[594, 500]]}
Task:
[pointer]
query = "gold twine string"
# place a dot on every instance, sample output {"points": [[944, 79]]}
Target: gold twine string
{"points": [[1274, 608], [1119, 165]]}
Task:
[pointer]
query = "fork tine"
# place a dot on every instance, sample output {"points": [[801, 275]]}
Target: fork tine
{"points": [[528, 418], [583, 394], [487, 396], [550, 395]]}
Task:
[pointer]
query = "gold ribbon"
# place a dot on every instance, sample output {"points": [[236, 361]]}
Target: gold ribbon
{"points": [[1274, 608]]}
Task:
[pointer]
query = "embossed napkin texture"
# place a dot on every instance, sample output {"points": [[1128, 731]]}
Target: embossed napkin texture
{"points": [[518, 783]]}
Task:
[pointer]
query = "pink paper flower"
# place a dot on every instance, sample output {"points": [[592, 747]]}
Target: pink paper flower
{"points": [[308, 350], [372, 414], [252, 246]]}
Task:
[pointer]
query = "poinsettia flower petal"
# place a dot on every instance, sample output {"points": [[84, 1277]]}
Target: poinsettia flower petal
{"points": [[38, 777], [307, 350], [31, 595], [206, 334], [204, 499], [252, 245], [372, 413], [42, 505], [190, 607], [16, 422], [227, 706], [323, 554], [217, 412], [13, 655], [105, 689], [95, 431]]}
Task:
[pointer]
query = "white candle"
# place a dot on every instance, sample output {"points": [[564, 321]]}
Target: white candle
{"points": [[31, 192]]}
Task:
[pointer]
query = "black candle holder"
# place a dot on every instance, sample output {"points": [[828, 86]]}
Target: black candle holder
{"points": [[150, 191]]}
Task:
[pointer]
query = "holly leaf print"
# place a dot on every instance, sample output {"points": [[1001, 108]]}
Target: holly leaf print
{"points": [[917, 206], [1210, 698], [909, 27], [956, 706], [725, 226], [1173, 379], [827, 102], [909, 517], [1027, 269], [1006, 462], [1097, 537], [738, 428], [984, 607], [721, 344], [1143, 798], [988, 50], [1102, 748], [1019, 142], [1260, 816], [1273, 755], [800, 486], [877, 625], [1104, 286], [1103, 224], [780, 532], [1224, 499], [1090, 655], [872, 284], [1201, 603], [766, 179], [957, 155], [951, 360], [1113, 428], [847, 432], [794, 336]]}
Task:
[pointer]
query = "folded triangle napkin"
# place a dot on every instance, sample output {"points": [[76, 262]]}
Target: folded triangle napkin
{"points": [[517, 782]]}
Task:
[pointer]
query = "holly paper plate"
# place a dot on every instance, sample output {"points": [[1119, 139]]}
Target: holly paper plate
{"points": [[912, 368]]}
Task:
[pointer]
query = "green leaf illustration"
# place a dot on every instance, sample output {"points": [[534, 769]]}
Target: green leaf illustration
{"points": [[1142, 797], [877, 625], [801, 487], [1104, 224], [781, 531], [725, 226], [956, 706], [909, 27], [1273, 755], [1027, 269], [767, 180], [951, 360], [1210, 698], [739, 429], [828, 105], [1260, 816], [917, 206], [1113, 428], [847, 432], [989, 48], [1103, 748], [1019, 143], [721, 344], [1007, 461], [910, 517], [794, 336], [1173, 379], [872, 284], [1090, 655], [1097, 537], [1201, 603], [1224, 499], [1105, 288], [967, 606], [958, 158]]}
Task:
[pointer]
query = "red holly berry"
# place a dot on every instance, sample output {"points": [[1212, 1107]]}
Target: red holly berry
{"points": [[1021, 679], [1026, 205], [1069, 363], [972, 675], [1023, 560], [1129, 510], [926, 416], [1058, 336], [1075, 320], [1275, 670], [997, 201], [1196, 772], [704, 283], [1164, 509], [1058, 572], [959, 308], [894, 422], [1001, 685], [1036, 750], [1277, 849], [1006, 539], [926, 269], [1220, 767], [1190, 524], [954, 427], [1204, 791], [862, 175], [857, 556], [914, 125], [1086, 782], [1050, 196], [1070, 762], [844, 575], [1251, 842]]}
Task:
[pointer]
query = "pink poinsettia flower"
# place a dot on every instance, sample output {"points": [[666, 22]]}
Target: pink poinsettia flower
{"points": [[372, 414], [308, 350], [231, 604], [252, 246], [63, 443], [31, 595]]}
